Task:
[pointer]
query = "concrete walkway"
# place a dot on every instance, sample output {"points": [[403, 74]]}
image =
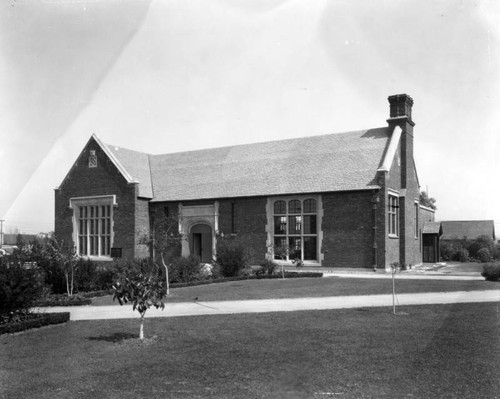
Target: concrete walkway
{"points": [[275, 305]]}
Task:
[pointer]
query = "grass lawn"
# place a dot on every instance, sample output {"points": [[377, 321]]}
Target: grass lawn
{"points": [[438, 351], [311, 287]]}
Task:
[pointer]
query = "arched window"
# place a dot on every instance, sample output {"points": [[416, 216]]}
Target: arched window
{"points": [[279, 207]]}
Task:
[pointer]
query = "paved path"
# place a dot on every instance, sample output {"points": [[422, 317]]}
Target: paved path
{"points": [[276, 305], [405, 276]]}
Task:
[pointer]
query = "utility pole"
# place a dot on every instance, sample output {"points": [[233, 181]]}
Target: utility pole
{"points": [[1, 232]]}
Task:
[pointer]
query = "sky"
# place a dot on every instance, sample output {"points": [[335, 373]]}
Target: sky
{"points": [[177, 75]]}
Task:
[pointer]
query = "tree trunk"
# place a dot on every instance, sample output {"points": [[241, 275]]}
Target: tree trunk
{"points": [[66, 275], [166, 273], [72, 279], [141, 331]]}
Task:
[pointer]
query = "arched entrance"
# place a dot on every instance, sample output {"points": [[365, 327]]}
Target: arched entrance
{"points": [[200, 242]]}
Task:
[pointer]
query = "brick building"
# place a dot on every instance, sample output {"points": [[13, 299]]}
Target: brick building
{"points": [[337, 200]]}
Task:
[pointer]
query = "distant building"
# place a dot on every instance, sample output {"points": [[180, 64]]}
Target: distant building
{"points": [[470, 229], [338, 200]]}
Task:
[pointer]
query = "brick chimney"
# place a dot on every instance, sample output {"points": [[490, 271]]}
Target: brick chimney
{"points": [[400, 111], [400, 115]]}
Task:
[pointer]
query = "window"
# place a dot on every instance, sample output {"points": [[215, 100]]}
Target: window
{"points": [[295, 229], [93, 222], [393, 213]]}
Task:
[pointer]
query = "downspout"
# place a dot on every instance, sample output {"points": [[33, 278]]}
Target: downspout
{"points": [[375, 202]]}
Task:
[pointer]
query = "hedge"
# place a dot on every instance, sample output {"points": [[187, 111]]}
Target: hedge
{"points": [[239, 278], [40, 320], [73, 302]]}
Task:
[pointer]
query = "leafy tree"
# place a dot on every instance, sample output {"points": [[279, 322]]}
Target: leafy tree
{"points": [[65, 258], [165, 241], [427, 201], [143, 291]]}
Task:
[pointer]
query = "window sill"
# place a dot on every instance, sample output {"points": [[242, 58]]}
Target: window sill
{"points": [[290, 263], [97, 258], [393, 236]]}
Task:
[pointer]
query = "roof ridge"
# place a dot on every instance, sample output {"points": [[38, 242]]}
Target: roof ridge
{"points": [[256, 143]]}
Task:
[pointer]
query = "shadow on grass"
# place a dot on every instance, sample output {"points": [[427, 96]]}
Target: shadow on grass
{"points": [[116, 337]]}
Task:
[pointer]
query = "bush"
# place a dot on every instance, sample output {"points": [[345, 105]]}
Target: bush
{"points": [[484, 255], [183, 270], [127, 268], [462, 255], [447, 250], [474, 246], [19, 288], [491, 271], [267, 267], [232, 256], [35, 321]]}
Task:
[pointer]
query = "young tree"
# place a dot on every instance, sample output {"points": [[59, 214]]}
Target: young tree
{"points": [[65, 258], [283, 251], [143, 291], [427, 201], [165, 241]]}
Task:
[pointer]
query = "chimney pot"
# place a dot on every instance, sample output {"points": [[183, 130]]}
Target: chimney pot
{"points": [[400, 106]]}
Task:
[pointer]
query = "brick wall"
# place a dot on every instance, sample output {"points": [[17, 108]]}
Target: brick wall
{"points": [[348, 229], [247, 218], [105, 179]]}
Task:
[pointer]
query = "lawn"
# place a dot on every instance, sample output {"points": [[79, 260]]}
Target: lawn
{"points": [[311, 287], [438, 351]]}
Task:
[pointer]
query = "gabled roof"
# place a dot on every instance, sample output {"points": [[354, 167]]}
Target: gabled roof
{"points": [[334, 162], [137, 166], [432, 228], [470, 229]]}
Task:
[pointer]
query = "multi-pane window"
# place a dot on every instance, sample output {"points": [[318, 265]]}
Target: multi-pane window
{"points": [[295, 229], [94, 230], [393, 213]]}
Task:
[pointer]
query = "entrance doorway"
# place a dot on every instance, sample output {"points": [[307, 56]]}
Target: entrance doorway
{"points": [[430, 248], [201, 242]]}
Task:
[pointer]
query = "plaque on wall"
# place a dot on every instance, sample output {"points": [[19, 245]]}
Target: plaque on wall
{"points": [[116, 252]]}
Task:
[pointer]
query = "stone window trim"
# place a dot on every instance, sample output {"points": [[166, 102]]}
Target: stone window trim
{"points": [[417, 217], [76, 203], [393, 215], [92, 159], [270, 227]]}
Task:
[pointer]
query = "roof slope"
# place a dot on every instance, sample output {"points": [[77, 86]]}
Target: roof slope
{"points": [[470, 229], [137, 165], [335, 162]]}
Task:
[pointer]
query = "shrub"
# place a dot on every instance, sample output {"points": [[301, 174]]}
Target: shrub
{"points": [[37, 321], [127, 268], [484, 255], [19, 288], [267, 268], [491, 271], [232, 256], [474, 246], [447, 250], [462, 255], [183, 269]]}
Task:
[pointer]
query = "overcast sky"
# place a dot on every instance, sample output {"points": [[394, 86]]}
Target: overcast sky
{"points": [[167, 76]]}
